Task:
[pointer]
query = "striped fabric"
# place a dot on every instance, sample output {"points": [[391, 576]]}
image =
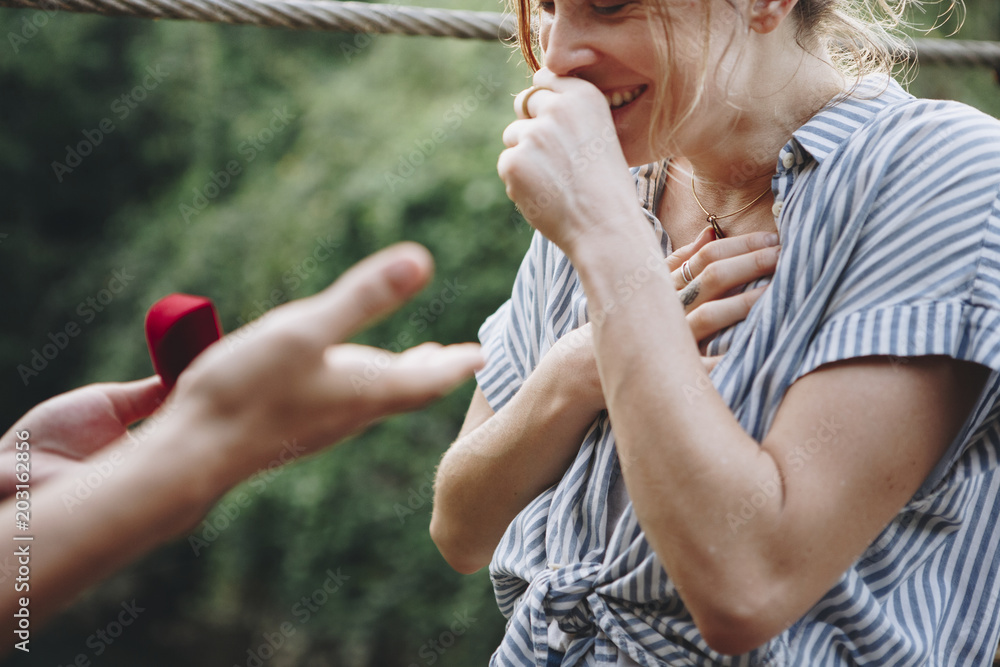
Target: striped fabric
{"points": [[888, 209]]}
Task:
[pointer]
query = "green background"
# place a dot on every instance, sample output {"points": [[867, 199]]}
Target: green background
{"points": [[385, 139]]}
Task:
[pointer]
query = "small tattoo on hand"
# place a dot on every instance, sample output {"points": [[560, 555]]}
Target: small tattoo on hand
{"points": [[690, 293]]}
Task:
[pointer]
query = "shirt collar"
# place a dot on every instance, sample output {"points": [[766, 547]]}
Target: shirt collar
{"points": [[834, 124]]}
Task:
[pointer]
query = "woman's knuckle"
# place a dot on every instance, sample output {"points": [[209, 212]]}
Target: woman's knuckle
{"points": [[709, 254], [711, 277], [745, 302], [762, 260]]}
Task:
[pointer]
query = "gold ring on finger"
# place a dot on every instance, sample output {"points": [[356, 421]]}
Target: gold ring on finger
{"points": [[527, 96]]}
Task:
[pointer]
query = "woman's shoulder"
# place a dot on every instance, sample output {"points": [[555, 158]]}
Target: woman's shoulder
{"points": [[914, 126], [916, 149], [910, 182]]}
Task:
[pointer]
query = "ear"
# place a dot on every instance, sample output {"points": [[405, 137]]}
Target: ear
{"points": [[767, 15]]}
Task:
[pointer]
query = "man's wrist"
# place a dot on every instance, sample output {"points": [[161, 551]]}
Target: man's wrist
{"points": [[187, 452]]}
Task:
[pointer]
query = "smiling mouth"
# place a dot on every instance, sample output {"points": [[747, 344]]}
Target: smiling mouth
{"points": [[617, 100]]}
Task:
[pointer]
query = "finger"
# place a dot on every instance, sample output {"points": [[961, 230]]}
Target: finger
{"points": [[423, 351], [511, 169], [410, 381], [546, 78], [677, 259], [689, 295], [714, 316], [371, 289], [512, 133], [132, 401], [719, 278], [684, 253], [584, 92], [732, 246], [537, 98]]}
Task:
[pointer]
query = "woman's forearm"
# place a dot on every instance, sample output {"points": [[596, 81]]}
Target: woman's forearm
{"points": [[695, 461], [489, 475]]}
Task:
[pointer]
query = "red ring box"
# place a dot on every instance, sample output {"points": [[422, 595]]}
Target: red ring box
{"points": [[178, 328]]}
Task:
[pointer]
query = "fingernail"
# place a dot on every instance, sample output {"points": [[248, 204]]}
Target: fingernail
{"points": [[402, 273], [771, 239], [711, 233]]}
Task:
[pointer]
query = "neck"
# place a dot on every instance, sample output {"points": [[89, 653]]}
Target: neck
{"points": [[734, 151]]}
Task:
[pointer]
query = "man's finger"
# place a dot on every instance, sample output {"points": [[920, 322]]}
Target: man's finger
{"points": [[411, 382], [371, 289], [132, 401]]}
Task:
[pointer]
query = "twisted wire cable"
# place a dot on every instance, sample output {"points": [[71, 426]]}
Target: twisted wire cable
{"points": [[355, 17], [363, 17]]}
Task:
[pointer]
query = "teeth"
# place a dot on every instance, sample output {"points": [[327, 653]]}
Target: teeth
{"points": [[617, 99]]}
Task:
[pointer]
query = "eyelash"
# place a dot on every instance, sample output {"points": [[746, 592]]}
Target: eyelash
{"points": [[548, 7], [609, 10]]}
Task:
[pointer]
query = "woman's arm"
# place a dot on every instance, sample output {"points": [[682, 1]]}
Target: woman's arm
{"points": [[501, 462], [886, 427]]}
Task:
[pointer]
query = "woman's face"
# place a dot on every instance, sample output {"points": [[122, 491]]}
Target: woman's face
{"points": [[610, 44]]}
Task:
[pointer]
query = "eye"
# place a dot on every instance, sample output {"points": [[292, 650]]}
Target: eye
{"points": [[610, 10]]}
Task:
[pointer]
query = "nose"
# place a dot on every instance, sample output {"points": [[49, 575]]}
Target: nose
{"points": [[567, 47]]}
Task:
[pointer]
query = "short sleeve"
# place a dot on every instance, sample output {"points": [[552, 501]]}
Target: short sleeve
{"points": [[511, 336], [921, 267], [918, 273]]}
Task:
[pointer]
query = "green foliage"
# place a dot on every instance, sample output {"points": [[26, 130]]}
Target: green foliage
{"points": [[258, 165]]}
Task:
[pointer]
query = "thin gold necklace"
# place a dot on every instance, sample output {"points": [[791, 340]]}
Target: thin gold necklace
{"points": [[714, 219]]}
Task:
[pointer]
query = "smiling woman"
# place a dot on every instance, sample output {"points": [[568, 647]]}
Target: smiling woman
{"points": [[803, 463]]}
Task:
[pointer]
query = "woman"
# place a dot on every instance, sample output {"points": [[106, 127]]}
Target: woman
{"points": [[826, 494]]}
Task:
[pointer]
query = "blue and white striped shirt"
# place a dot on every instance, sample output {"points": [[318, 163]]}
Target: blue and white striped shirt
{"points": [[888, 208]]}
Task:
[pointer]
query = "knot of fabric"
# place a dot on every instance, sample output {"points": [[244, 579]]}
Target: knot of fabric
{"points": [[566, 600]]}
